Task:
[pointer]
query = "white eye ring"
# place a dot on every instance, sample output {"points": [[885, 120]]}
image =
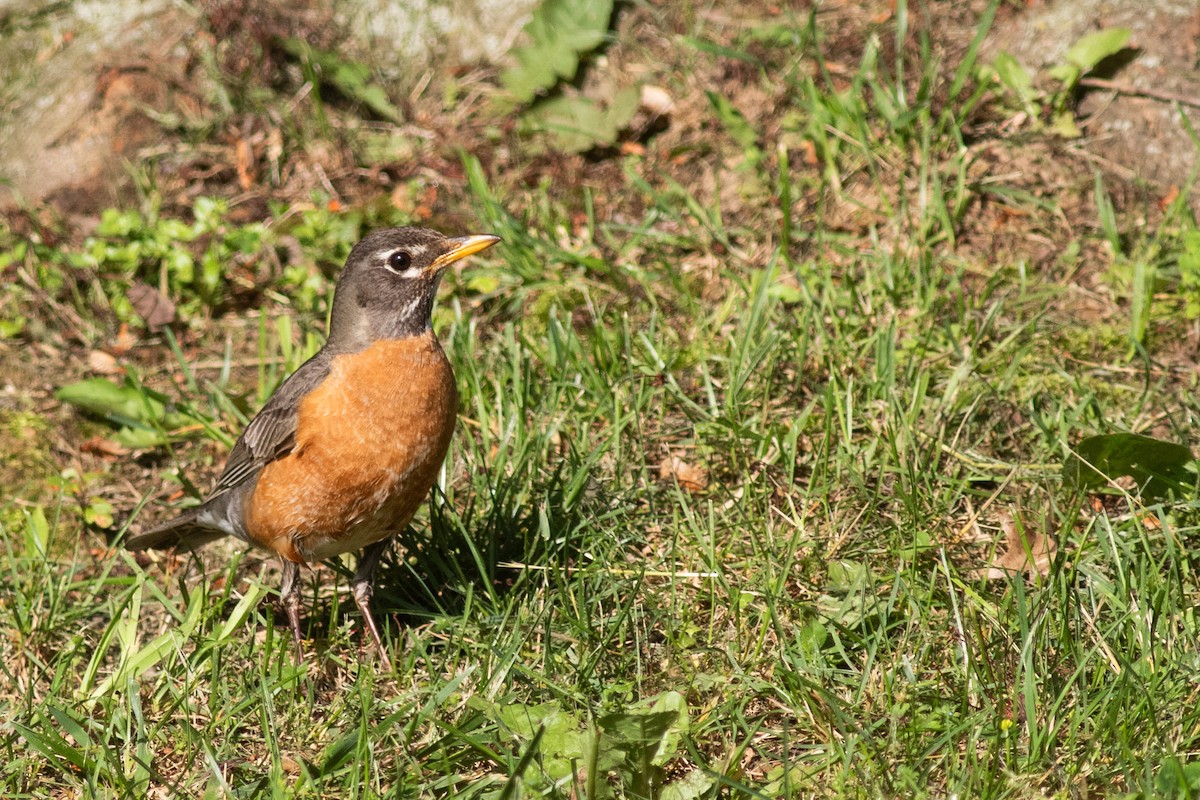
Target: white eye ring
{"points": [[400, 262]]}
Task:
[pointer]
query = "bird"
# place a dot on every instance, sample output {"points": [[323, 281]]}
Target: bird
{"points": [[348, 446]]}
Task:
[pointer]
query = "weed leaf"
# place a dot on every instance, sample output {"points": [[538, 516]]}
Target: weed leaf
{"points": [[560, 32], [1089, 51], [577, 124], [651, 732], [1095, 47], [695, 784], [557, 730], [124, 405], [1155, 465]]}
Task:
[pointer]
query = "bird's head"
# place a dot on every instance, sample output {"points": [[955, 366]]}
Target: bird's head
{"points": [[387, 287]]}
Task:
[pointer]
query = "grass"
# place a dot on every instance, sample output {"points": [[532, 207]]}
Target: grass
{"points": [[865, 384]]}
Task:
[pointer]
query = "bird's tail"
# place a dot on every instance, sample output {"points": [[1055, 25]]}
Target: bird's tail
{"points": [[184, 533]]}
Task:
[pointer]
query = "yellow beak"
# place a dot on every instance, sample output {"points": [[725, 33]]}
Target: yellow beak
{"points": [[461, 247]]}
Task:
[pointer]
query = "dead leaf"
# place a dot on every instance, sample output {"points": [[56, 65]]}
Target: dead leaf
{"points": [[102, 363], [424, 209], [151, 305], [124, 342], [401, 198], [243, 155], [1025, 551], [810, 152], [1171, 196], [105, 448], [690, 478]]}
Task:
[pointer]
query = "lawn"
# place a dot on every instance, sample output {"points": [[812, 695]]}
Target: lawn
{"points": [[771, 472]]}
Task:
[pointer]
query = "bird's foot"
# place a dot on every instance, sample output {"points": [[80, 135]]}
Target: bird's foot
{"points": [[362, 598], [289, 598]]}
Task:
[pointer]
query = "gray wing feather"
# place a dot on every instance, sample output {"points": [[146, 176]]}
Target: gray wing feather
{"points": [[272, 434]]}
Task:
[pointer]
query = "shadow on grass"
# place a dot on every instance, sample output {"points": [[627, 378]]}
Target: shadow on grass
{"points": [[476, 556]]}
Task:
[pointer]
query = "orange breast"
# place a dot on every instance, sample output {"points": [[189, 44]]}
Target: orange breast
{"points": [[369, 443]]}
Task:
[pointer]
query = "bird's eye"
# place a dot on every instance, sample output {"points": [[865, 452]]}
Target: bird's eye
{"points": [[399, 261]]}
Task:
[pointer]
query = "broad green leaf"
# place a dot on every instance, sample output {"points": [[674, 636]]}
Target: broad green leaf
{"points": [[623, 107], [575, 122], [483, 284], [12, 326], [114, 222], [1095, 47], [811, 638], [695, 784], [651, 731], [578, 124], [786, 293], [561, 744], [512, 788], [1157, 466], [668, 743], [782, 778], [1066, 74], [99, 512], [525, 720], [1189, 257], [141, 415], [141, 438], [1188, 262], [125, 404], [559, 33], [1086, 53], [1177, 779]]}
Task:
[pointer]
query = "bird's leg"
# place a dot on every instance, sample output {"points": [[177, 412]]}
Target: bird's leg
{"points": [[362, 587], [289, 596]]}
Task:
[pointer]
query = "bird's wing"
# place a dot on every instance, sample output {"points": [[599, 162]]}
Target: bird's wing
{"points": [[272, 434]]}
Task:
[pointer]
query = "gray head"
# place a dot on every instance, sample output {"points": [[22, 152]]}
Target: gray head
{"points": [[387, 287]]}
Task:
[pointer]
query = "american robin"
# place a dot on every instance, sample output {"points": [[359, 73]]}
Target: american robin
{"points": [[348, 447]]}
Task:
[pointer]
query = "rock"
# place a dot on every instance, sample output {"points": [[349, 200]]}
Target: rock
{"points": [[78, 82], [408, 37], [84, 84]]}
